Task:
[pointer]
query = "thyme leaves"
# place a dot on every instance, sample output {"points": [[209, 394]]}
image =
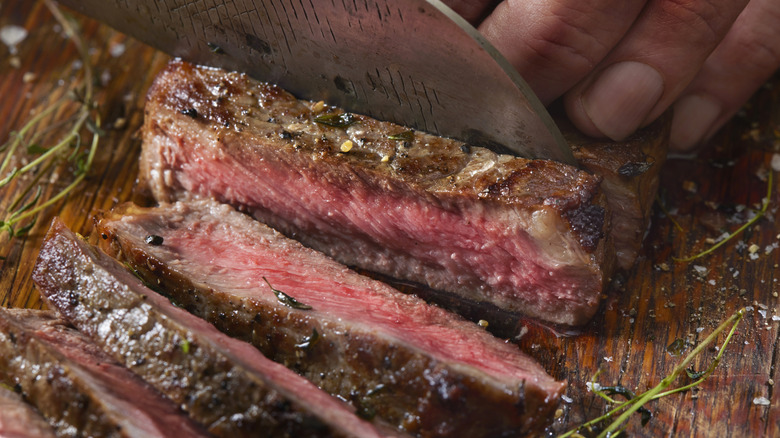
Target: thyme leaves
{"points": [[745, 226], [402, 136], [309, 341], [341, 120], [22, 214], [637, 403], [286, 299]]}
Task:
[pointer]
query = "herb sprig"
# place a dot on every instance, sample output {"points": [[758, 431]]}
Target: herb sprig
{"points": [[637, 403], [286, 299], [70, 147], [746, 225]]}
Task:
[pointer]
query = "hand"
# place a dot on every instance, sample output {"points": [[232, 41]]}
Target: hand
{"points": [[619, 64]]}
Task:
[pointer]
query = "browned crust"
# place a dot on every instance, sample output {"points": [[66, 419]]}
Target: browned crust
{"points": [[399, 394], [426, 164], [631, 173]]}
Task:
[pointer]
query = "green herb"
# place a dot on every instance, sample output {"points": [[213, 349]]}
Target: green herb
{"points": [[637, 403], [309, 341], [676, 348], [185, 346], [286, 299], [215, 48], [663, 208], [759, 215], [403, 136], [68, 148], [336, 120]]}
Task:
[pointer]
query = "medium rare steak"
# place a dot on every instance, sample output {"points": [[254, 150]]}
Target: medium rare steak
{"points": [[221, 382], [20, 420], [528, 236], [77, 387], [392, 355]]}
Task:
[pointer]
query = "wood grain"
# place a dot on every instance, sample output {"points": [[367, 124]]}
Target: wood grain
{"points": [[646, 309]]}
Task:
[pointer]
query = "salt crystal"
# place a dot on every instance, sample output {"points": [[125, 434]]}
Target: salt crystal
{"points": [[117, 50], [608, 359], [701, 270], [762, 313], [736, 274], [699, 329], [776, 162], [775, 318], [11, 35], [761, 401], [712, 282], [567, 399], [593, 386]]}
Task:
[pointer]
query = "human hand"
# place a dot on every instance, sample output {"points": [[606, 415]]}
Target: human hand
{"points": [[619, 64]]}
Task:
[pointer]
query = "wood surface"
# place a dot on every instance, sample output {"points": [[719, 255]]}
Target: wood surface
{"points": [[646, 309]]}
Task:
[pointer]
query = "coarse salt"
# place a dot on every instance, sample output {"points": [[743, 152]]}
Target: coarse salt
{"points": [[761, 401], [11, 35]]}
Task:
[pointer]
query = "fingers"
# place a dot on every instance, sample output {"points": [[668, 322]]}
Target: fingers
{"points": [[747, 57], [649, 68], [555, 43], [471, 10]]}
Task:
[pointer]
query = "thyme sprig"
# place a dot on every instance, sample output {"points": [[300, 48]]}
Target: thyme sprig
{"points": [[68, 148], [746, 225], [637, 403], [286, 299]]}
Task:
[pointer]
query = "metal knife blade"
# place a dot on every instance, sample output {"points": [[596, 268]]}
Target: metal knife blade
{"points": [[412, 62]]}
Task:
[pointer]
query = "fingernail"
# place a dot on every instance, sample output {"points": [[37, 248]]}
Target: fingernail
{"points": [[621, 98], [693, 118]]}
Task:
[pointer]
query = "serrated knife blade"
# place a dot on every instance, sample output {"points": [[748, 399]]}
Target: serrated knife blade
{"points": [[412, 62]]}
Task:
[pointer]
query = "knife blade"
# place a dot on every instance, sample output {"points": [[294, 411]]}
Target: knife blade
{"points": [[412, 62]]}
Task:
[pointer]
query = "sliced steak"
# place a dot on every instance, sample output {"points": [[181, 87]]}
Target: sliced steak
{"points": [[392, 355], [20, 420], [631, 172], [77, 387], [528, 236], [221, 382]]}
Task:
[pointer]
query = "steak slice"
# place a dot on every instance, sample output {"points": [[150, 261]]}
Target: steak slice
{"points": [[528, 236], [221, 382], [392, 355], [630, 172], [77, 387], [20, 420]]}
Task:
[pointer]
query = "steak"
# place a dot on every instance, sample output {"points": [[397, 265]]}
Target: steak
{"points": [[392, 355], [630, 172], [221, 382], [77, 387], [528, 236], [20, 420]]}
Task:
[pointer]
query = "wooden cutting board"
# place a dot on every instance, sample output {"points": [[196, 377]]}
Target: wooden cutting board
{"points": [[646, 310]]}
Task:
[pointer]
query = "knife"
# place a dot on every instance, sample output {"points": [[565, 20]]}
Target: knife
{"points": [[412, 62]]}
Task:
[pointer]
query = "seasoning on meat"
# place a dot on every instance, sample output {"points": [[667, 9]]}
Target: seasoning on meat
{"points": [[223, 383], [76, 386], [391, 355], [528, 236]]}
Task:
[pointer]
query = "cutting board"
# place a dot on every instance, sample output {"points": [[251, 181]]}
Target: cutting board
{"points": [[645, 310]]}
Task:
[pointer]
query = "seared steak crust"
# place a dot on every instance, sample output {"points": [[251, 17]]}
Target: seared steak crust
{"points": [[20, 420], [630, 172], [392, 355], [222, 383], [77, 387], [529, 236]]}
